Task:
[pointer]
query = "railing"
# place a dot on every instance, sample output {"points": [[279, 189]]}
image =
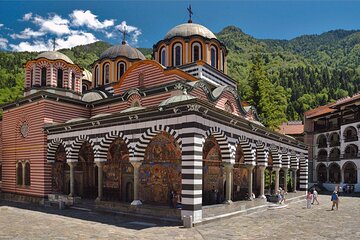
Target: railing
{"points": [[322, 145], [334, 158], [350, 138], [335, 144], [350, 156], [322, 158]]}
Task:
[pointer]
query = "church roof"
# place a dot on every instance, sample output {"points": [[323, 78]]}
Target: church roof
{"points": [[123, 50], [87, 75], [189, 29], [175, 99], [54, 55]]}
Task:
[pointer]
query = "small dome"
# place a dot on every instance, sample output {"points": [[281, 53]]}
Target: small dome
{"points": [[93, 96], [87, 75], [175, 99], [189, 29], [132, 109], [54, 55], [123, 50]]}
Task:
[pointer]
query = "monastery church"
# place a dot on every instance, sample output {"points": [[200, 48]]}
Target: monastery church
{"points": [[134, 130]]}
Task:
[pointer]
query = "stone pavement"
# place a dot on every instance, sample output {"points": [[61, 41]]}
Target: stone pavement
{"points": [[293, 222]]}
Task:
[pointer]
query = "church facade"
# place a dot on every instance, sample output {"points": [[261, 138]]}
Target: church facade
{"points": [[135, 130]]}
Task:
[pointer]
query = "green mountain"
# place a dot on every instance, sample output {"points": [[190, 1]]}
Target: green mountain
{"points": [[313, 69]]}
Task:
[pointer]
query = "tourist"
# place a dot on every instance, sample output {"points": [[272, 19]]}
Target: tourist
{"points": [[214, 195], [178, 201], [171, 198], [282, 195], [335, 200], [315, 196], [309, 198]]}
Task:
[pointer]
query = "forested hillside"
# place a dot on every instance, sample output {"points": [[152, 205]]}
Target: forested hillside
{"points": [[299, 74]]}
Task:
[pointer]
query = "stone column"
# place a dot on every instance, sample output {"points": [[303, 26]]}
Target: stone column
{"points": [[250, 181], [294, 179], [277, 170], [100, 180], [285, 179], [136, 165], [72, 178], [262, 182], [229, 181]]}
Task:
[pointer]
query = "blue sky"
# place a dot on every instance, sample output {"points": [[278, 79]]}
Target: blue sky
{"points": [[29, 25]]}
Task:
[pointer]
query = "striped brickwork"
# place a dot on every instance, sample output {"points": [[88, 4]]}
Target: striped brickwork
{"points": [[275, 156], [248, 150], [303, 172], [285, 159], [261, 154]]}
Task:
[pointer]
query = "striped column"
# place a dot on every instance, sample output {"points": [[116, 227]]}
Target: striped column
{"points": [[191, 182], [303, 172], [276, 165], [285, 165], [294, 166]]}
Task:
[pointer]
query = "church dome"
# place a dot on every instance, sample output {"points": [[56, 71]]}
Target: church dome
{"points": [[189, 29], [54, 55], [123, 50]]}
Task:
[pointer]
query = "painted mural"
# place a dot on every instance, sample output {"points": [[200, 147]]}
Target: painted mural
{"points": [[86, 173], [116, 170], [240, 176], [160, 172], [213, 183], [58, 171]]}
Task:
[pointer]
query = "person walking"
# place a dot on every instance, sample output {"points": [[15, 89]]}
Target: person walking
{"points": [[309, 198], [335, 200], [315, 196], [282, 194]]}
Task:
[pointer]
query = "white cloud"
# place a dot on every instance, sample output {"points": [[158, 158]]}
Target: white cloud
{"points": [[36, 46], [54, 24], [27, 16], [1, 25], [86, 18], [27, 33], [77, 38], [133, 31], [3, 43]]}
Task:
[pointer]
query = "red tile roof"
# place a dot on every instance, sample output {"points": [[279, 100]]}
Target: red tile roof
{"points": [[320, 110], [291, 128]]}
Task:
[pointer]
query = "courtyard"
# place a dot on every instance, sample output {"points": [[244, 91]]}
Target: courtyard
{"points": [[17, 221]]}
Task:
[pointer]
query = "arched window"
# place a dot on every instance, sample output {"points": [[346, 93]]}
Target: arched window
{"points": [[350, 173], [322, 141], [73, 81], [19, 173], [59, 78], [177, 54], [96, 76], [334, 173], [43, 76], [322, 155], [351, 151], [213, 57], [334, 140], [27, 174], [334, 154], [196, 51], [163, 56], [84, 88], [321, 173], [106, 70], [350, 134], [121, 68]]}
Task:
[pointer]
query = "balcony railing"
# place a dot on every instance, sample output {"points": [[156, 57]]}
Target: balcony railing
{"points": [[334, 158], [350, 155], [350, 138], [322, 158], [334, 144], [322, 145]]}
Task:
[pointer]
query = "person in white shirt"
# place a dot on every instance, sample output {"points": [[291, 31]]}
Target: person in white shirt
{"points": [[315, 196]]}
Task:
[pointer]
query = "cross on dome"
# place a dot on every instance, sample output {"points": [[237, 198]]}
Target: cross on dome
{"points": [[190, 13], [124, 34]]}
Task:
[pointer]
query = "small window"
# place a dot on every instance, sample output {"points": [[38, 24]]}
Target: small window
{"points": [[163, 56], [84, 88], [19, 173], [121, 69], [27, 174], [59, 78], [96, 76], [32, 76], [213, 55], [196, 52], [177, 54], [43, 77], [136, 103], [228, 107], [106, 76], [73, 81]]}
